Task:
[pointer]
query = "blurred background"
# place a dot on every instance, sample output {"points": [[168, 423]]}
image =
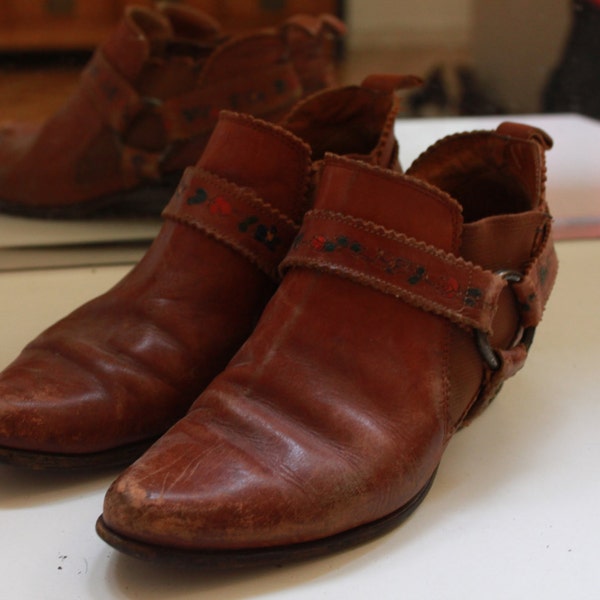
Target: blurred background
{"points": [[477, 56]]}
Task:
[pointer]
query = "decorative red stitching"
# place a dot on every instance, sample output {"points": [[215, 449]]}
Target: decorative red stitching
{"points": [[421, 274]]}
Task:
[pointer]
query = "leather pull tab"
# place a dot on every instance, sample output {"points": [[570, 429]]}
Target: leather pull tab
{"points": [[526, 132], [333, 24], [314, 26], [384, 82], [189, 22]]}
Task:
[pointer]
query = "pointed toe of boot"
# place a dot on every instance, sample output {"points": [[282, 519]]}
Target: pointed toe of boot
{"points": [[150, 505], [57, 411], [238, 483], [206, 495]]}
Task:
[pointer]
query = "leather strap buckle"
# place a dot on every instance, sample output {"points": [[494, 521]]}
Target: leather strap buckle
{"points": [[524, 336]]}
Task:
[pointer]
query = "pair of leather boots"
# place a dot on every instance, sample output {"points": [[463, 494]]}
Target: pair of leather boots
{"points": [[307, 332]]}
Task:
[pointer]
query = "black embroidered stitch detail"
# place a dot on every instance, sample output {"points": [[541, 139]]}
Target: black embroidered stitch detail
{"points": [[418, 275], [247, 223], [267, 236], [199, 197], [219, 205], [472, 296]]}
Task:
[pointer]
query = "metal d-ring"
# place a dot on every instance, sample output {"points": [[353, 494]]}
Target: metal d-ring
{"points": [[489, 355]]}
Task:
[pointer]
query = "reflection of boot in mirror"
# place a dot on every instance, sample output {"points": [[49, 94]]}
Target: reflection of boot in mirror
{"points": [[452, 90], [574, 85], [145, 106]]}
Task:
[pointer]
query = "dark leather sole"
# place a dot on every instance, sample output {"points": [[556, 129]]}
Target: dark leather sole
{"points": [[144, 201], [40, 461], [262, 557]]}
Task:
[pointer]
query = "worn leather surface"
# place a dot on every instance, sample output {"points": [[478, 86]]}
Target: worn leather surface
{"points": [[337, 409], [146, 105], [125, 366]]}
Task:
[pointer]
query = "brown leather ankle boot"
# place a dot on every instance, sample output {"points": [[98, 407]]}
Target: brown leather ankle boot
{"points": [[146, 105], [406, 302], [99, 385]]}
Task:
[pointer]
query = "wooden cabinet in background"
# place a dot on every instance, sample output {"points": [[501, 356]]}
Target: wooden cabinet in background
{"points": [[56, 24], [31, 25], [240, 15]]}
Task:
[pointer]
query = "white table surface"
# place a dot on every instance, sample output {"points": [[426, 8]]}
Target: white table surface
{"points": [[27, 243], [513, 514]]}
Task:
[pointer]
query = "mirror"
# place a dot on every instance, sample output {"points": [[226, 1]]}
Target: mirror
{"points": [[477, 57]]}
